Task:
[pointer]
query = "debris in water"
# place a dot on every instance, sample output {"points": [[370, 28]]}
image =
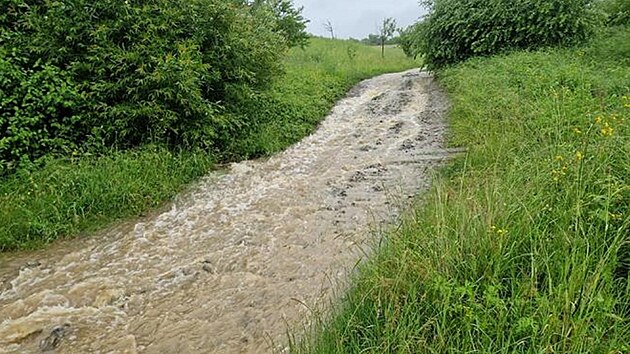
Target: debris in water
{"points": [[53, 340]]}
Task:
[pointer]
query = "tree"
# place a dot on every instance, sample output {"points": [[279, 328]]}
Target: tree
{"points": [[387, 30], [372, 39], [288, 19], [375, 40], [329, 28]]}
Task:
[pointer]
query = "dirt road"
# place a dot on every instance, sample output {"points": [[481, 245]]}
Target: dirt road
{"points": [[237, 258]]}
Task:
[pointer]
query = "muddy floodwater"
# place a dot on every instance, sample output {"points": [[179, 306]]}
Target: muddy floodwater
{"points": [[243, 254]]}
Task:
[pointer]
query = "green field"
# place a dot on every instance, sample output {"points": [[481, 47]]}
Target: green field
{"points": [[69, 196], [522, 245]]}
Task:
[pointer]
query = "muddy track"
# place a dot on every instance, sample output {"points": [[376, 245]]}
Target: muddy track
{"points": [[245, 252]]}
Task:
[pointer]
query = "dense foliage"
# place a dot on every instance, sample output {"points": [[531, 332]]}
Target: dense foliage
{"points": [[617, 11], [288, 20], [80, 74], [410, 39], [456, 30]]}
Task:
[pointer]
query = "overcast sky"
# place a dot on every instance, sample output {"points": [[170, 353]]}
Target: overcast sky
{"points": [[357, 18]]}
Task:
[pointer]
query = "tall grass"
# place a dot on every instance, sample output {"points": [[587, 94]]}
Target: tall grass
{"points": [[523, 245], [67, 197], [70, 196]]}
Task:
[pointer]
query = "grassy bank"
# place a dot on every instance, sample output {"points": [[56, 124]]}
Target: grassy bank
{"points": [[523, 245], [67, 197]]}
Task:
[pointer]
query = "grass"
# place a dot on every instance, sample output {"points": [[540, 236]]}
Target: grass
{"points": [[67, 197], [523, 245], [71, 196]]}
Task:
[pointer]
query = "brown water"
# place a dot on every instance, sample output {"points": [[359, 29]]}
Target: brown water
{"points": [[245, 253]]}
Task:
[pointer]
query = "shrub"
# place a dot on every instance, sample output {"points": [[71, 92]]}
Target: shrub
{"points": [[617, 11], [288, 20], [456, 30], [124, 73], [36, 112], [411, 39]]}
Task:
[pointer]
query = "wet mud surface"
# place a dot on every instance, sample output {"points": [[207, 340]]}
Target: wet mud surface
{"points": [[246, 252]]}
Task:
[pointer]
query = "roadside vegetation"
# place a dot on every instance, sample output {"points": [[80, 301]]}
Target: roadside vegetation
{"points": [[63, 194], [523, 244]]}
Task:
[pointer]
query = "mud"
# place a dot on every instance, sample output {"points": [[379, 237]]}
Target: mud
{"points": [[244, 254]]}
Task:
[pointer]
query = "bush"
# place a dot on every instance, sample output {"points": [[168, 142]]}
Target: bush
{"points": [[617, 12], [288, 20], [36, 112], [411, 39], [456, 30], [124, 73]]}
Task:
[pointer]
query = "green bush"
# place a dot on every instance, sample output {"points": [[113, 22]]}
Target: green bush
{"points": [[288, 20], [124, 73], [410, 39], [456, 30], [617, 11], [36, 112]]}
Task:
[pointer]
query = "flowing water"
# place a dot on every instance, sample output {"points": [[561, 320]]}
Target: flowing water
{"points": [[244, 254]]}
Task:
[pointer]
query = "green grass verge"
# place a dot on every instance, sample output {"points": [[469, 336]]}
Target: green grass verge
{"points": [[523, 245], [68, 197]]}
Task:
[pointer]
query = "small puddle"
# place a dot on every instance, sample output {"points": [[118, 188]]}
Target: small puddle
{"points": [[242, 256]]}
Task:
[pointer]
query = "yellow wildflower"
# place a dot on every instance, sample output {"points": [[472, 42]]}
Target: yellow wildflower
{"points": [[558, 173], [577, 131], [499, 231], [579, 155], [607, 130], [598, 119]]}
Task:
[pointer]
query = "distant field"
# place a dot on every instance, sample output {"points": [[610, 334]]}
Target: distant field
{"points": [[70, 196]]}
